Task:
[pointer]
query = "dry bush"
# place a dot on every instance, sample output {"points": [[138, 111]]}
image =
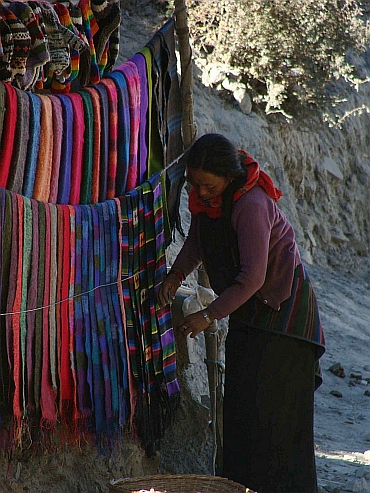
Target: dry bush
{"points": [[287, 50]]}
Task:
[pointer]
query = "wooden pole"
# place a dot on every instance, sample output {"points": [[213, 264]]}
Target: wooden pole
{"points": [[182, 30], [189, 130]]}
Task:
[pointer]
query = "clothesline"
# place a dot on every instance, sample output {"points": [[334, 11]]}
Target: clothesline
{"points": [[123, 279]]}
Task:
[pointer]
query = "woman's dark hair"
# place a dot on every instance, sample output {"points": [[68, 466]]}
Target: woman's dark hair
{"points": [[215, 154]]}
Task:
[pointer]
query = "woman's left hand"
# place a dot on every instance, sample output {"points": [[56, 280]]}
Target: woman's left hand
{"points": [[193, 324]]}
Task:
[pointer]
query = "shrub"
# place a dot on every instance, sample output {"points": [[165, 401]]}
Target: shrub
{"points": [[286, 50]]}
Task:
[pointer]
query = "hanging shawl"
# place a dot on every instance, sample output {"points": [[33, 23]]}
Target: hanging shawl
{"points": [[163, 314], [57, 147], [213, 207], [2, 106], [48, 395], [104, 141], [83, 393], [4, 262], [45, 156], [113, 133], [166, 92], [77, 147], [149, 331], [155, 151], [14, 305], [66, 377], [33, 144], [52, 295], [18, 162], [100, 375], [32, 304], [8, 136], [87, 167], [6, 285], [26, 270], [123, 142], [65, 170], [97, 129], [71, 314], [131, 74], [127, 378], [140, 62]]}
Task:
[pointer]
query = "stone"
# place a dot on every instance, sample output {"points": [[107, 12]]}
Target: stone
{"points": [[337, 370], [336, 393], [332, 168]]}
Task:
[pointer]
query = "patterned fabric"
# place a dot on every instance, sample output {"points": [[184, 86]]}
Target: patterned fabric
{"points": [[15, 179], [140, 62], [149, 331], [298, 315], [166, 92], [123, 142], [9, 129], [33, 145], [41, 189], [130, 71], [77, 147], [113, 134]]}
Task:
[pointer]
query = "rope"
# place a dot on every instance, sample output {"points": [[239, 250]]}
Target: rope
{"points": [[123, 279]]}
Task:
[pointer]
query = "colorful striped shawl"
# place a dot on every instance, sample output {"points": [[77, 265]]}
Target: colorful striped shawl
{"points": [[140, 62], [130, 71], [9, 129], [77, 147], [45, 156], [18, 162], [87, 167], [113, 133], [97, 129], [33, 144], [104, 141], [123, 142], [32, 304], [164, 313], [65, 171], [57, 147]]}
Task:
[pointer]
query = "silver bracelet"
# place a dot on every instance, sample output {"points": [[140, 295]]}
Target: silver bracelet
{"points": [[205, 315]]}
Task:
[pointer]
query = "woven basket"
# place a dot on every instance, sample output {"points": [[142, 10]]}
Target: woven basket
{"points": [[183, 483]]}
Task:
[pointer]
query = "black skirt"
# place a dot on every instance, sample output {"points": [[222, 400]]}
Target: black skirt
{"points": [[268, 411]]}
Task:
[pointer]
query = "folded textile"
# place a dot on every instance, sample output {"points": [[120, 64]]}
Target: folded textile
{"points": [[113, 134], [41, 189], [33, 144], [96, 122], [65, 170], [77, 147], [8, 136], [140, 62], [130, 71], [123, 137], [20, 145], [57, 147]]}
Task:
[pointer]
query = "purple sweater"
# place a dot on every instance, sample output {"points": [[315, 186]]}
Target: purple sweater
{"points": [[267, 248]]}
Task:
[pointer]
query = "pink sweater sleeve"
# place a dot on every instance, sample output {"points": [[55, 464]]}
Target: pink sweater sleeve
{"points": [[252, 221]]}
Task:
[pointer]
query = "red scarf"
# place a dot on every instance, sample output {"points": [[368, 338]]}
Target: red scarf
{"points": [[255, 176]]}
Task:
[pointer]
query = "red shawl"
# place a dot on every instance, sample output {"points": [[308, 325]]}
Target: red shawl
{"points": [[255, 175]]}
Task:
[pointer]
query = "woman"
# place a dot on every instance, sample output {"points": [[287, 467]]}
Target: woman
{"points": [[275, 337]]}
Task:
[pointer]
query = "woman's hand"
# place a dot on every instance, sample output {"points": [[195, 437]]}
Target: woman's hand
{"points": [[168, 288], [193, 324]]}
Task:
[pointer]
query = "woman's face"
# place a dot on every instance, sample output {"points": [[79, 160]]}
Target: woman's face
{"points": [[207, 185]]}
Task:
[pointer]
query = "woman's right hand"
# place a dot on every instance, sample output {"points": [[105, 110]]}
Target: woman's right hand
{"points": [[167, 289]]}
